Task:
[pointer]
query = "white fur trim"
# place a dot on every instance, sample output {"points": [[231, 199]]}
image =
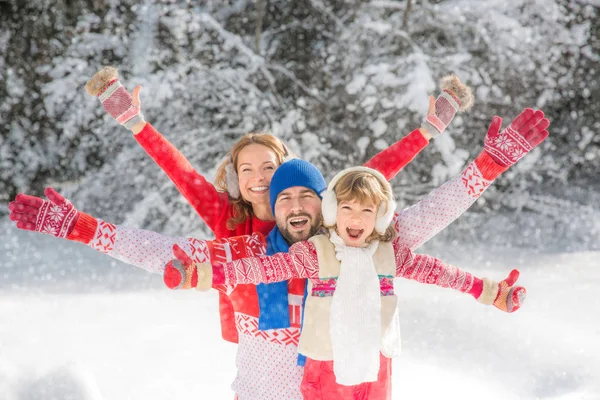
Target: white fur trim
{"points": [[232, 182], [489, 292], [205, 276], [329, 203]]}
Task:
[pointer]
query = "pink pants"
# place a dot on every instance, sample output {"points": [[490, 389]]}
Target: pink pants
{"points": [[319, 383]]}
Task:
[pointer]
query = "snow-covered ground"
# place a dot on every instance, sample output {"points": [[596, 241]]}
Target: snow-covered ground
{"points": [[75, 324]]}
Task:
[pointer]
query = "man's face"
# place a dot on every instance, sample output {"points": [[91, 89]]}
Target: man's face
{"points": [[298, 213]]}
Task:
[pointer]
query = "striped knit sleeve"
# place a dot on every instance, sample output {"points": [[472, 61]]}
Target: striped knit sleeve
{"points": [[430, 270], [299, 262], [138, 247], [417, 224]]}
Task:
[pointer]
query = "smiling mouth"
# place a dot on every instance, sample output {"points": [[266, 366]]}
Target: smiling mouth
{"points": [[259, 189], [299, 222], [354, 234]]}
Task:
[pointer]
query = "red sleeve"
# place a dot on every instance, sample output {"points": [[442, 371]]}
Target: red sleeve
{"points": [[391, 160], [427, 269], [201, 194]]}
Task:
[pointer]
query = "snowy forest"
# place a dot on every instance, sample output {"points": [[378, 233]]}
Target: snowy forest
{"points": [[338, 81]]}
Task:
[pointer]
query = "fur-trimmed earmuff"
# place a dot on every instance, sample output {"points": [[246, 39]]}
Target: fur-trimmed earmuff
{"points": [[329, 203]]}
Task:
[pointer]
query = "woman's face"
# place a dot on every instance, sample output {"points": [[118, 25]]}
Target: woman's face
{"points": [[255, 167], [355, 222]]}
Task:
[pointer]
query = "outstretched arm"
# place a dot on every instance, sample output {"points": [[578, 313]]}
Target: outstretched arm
{"points": [[144, 249], [430, 270], [211, 205], [420, 222], [299, 262]]}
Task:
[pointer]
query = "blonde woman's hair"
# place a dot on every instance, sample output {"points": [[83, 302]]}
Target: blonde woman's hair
{"points": [[364, 188], [242, 209]]}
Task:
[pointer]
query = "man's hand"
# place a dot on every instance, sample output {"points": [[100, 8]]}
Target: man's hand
{"points": [[55, 216], [523, 134]]}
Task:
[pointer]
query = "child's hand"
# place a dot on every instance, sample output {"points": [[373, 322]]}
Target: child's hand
{"points": [[505, 295], [55, 216], [510, 297], [519, 138], [116, 99], [180, 273]]}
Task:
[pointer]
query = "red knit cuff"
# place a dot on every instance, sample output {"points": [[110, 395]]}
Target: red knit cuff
{"points": [[489, 168], [477, 287], [84, 229]]}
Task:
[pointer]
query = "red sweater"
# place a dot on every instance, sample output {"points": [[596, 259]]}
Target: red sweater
{"points": [[214, 208]]}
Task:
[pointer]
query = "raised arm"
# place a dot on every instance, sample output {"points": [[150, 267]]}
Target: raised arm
{"points": [[418, 223], [455, 96], [211, 205], [504, 295]]}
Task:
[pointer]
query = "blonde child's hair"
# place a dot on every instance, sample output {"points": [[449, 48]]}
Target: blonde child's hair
{"points": [[242, 209], [364, 188]]}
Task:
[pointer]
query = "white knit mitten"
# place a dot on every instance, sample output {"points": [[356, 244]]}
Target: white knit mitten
{"points": [[455, 97], [114, 97]]}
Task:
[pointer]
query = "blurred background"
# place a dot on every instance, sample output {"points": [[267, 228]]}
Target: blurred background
{"points": [[337, 80]]}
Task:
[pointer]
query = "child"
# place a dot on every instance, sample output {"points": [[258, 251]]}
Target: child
{"points": [[350, 330]]}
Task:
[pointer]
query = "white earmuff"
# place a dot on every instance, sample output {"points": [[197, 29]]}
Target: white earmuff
{"points": [[232, 181]]}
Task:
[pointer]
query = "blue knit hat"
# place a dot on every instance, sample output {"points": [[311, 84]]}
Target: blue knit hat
{"points": [[296, 172]]}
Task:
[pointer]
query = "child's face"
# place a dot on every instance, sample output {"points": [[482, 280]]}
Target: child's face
{"points": [[355, 222]]}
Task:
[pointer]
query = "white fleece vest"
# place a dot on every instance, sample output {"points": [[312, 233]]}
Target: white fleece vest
{"points": [[315, 340]]}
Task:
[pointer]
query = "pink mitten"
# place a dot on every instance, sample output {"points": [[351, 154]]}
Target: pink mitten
{"points": [[114, 97], [55, 216], [455, 97], [519, 138], [504, 295], [180, 273]]}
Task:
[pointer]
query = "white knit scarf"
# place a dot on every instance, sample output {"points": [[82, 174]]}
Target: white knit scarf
{"points": [[355, 318]]}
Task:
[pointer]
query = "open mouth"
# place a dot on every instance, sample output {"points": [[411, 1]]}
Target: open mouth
{"points": [[298, 222], [354, 234], [259, 189]]}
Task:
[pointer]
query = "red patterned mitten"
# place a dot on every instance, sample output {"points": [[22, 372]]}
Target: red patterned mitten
{"points": [[55, 216], [504, 295], [114, 97], [519, 138], [455, 97]]}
